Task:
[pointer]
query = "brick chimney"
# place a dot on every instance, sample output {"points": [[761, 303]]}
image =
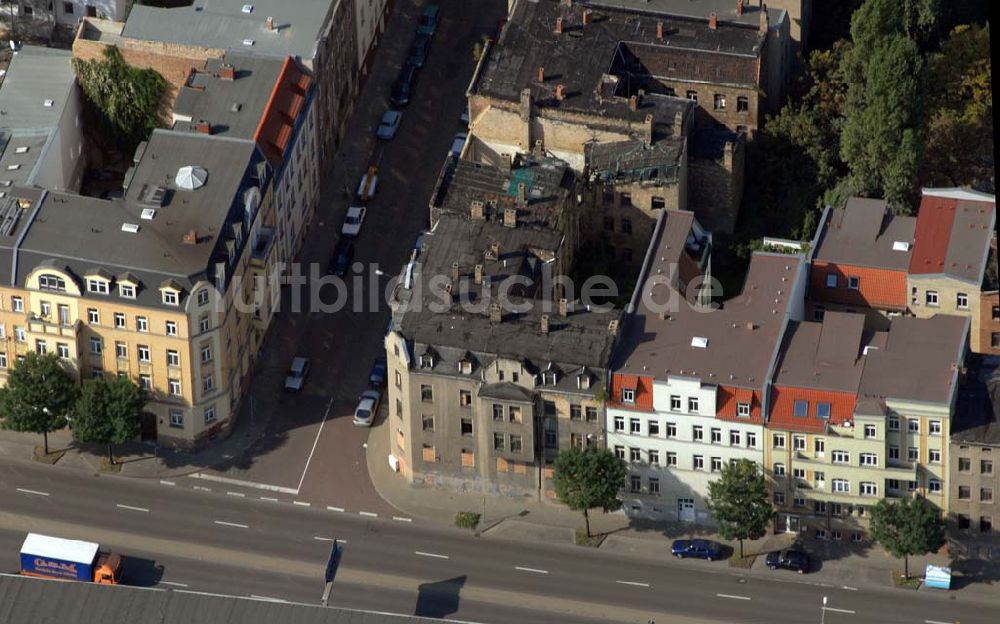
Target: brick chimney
{"points": [[659, 30], [202, 127], [479, 274], [191, 238], [633, 103], [495, 249], [454, 272], [739, 7], [560, 92], [227, 71], [678, 124], [765, 21], [510, 217], [506, 162], [543, 323], [586, 17], [713, 21], [541, 74], [522, 193], [563, 307], [559, 26], [269, 23], [477, 210], [496, 313]]}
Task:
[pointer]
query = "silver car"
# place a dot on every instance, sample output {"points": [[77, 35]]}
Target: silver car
{"points": [[364, 413], [297, 374]]}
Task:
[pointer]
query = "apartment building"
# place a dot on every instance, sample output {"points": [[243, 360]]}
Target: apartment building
{"points": [[949, 272], [371, 17], [152, 285], [68, 13], [689, 387], [491, 373]]}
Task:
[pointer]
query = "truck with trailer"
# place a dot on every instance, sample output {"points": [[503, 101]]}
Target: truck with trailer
{"points": [[70, 560]]}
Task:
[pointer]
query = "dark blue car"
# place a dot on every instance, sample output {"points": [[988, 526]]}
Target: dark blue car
{"points": [[377, 375], [698, 549]]}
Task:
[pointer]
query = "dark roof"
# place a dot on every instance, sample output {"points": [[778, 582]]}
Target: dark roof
{"points": [[710, 143], [24, 599], [636, 160], [953, 233], [977, 413], [865, 233], [828, 355], [725, 10], [919, 361]]}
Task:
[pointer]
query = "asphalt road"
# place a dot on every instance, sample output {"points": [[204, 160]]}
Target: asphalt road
{"points": [[227, 544]]}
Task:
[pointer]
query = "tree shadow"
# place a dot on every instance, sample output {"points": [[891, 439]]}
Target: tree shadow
{"points": [[966, 570], [439, 599]]}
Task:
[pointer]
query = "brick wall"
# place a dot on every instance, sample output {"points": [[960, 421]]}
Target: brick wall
{"points": [[717, 189]]}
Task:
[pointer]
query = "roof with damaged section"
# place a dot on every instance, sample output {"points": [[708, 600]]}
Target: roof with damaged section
{"points": [[865, 233], [725, 10], [953, 233], [659, 163]]}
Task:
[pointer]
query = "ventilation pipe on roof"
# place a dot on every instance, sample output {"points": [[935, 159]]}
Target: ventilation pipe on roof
{"points": [[478, 274], [454, 272]]}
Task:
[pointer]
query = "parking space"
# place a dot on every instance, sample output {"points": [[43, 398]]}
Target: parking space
{"points": [[311, 446]]}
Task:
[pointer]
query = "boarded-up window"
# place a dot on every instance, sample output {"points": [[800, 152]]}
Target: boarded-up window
{"points": [[468, 459], [548, 473], [400, 439], [430, 455], [502, 465], [520, 468]]}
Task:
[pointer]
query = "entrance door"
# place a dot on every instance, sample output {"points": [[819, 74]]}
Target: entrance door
{"points": [[148, 427], [685, 509], [787, 523]]}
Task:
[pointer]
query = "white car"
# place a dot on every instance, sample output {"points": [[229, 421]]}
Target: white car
{"points": [[352, 222], [364, 413], [368, 185]]}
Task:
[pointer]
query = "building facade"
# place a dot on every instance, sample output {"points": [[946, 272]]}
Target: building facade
{"points": [[974, 482]]}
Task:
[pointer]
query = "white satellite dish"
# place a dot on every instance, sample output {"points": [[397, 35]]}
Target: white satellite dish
{"points": [[191, 177]]}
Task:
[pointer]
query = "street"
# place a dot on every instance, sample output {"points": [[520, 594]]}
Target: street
{"points": [[246, 546]]}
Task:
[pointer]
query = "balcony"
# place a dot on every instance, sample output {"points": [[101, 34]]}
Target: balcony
{"points": [[48, 326]]}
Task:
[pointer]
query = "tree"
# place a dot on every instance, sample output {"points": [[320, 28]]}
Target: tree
{"points": [[910, 526], [127, 100], [739, 502], [38, 397], [109, 411], [588, 479]]}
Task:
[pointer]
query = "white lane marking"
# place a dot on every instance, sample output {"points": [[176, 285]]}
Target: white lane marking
{"points": [[202, 488], [341, 541], [240, 494], [269, 499], [240, 483], [267, 598], [849, 588], [165, 482], [848, 611], [633, 583], [936, 622], [302, 503], [535, 570], [131, 508], [35, 492], [313, 450], [733, 597], [331, 508], [400, 519], [322, 539], [368, 514], [231, 524], [427, 554], [172, 583]]}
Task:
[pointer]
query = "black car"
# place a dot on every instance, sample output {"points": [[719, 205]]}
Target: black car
{"points": [[789, 560], [342, 257], [402, 89]]}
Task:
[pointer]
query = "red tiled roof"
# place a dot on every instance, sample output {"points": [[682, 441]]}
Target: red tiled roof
{"points": [[783, 402], [878, 288], [643, 387], [287, 99], [728, 398], [933, 232]]}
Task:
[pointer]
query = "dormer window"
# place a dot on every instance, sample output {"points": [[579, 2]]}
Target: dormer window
{"points": [[426, 361], [170, 297], [549, 378], [743, 410], [628, 395], [583, 381], [465, 367], [98, 286], [126, 290]]}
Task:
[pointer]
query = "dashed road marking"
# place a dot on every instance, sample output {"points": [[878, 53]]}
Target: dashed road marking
{"points": [[368, 514], [165, 482], [401, 519], [848, 611], [937, 622], [131, 508], [332, 508], [172, 583], [633, 583], [267, 598], [432, 555], [535, 570], [231, 524], [322, 539], [733, 597], [269, 499], [240, 494], [35, 492], [202, 488], [302, 503], [849, 588]]}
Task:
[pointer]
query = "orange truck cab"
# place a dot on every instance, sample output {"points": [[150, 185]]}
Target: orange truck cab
{"points": [[70, 560]]}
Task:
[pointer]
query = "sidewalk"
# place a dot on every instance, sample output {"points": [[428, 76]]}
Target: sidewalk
{"points": [[838, 564]]}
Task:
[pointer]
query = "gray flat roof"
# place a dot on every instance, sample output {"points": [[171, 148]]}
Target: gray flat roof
{"points": [[232, 107], [24, 599], [18, 168], [223, 24], [827, 355], [863, 233]]}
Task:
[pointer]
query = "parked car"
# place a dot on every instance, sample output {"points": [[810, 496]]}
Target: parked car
{"points": [[419, 50], [402, 89], [457, 144], [428, 20], [342, 257], [389, 125], [696, 549], [364, 413], [352, 222], [377, 376], [297, 374], [368, 184], [788, 560]]}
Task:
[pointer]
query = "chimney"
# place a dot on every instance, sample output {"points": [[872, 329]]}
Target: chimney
{"points": [[567, 3], [544, 323], [647, 129], [454, 272], [563, 307], [633, 103], [765, 21], [479, 274], [560, 92], [727, 155], [202, 127], [659, 30], [739, 7], [751, 326], [496, 313], [678, 124], [559, 29], [522, 193], [477, 211], [541, 74], [713, 21], [539, 150], [613, 327], [506, 162], [495, 249], [586, 17], [448, 298], [269, 23], [191, 238], [510, 217], [227, 71]]}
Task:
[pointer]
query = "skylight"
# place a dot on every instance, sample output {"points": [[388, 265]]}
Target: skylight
{"points": [[148, 213], [900, 246], [248, 42], [699, 342], [131, 228], [248, 8]]}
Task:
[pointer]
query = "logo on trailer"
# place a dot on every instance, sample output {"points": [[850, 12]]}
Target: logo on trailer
{"points": [[59, 568]]}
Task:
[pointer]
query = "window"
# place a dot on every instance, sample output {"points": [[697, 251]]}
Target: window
{"points": [[63, 314], [962, 301], [628, 395], [934, 486], [609, 224], [145, 382], [173, 358], [514, 414], [654, 457], [626, 225], [778, 441], [697, 433], [635, 454], [800, 409], [893, 423], [779, 498], [853, 282], [963, 522], [426, 393], [551, 439], [620, 452], [692, 95], [499, 442], [62, 349], [176, 418], [779, 470], [93, 316], [716, 436], [170, 297], [751, 439], [427, 422], [466, 427], [95, 345], [203, 297], [468, 458], [575, 412], [934, 456], [121, 350], [819, 480], [171, 328], [698, 462], [20, 335], [671, 459], [995, 340], [870, 432], [842, 486], [141, 324], [985, 524], [743, 410], [175, 387], [913, 425], [206, 354], [869, 459], [654, 485], [209, 414], [693, 405], [119, 320], [742, 104], [823, 411], [821, 534], [634, 426], [734, 438], [51, 282], [819, 312], [799, 473], [716, 464], [964, 492], [841, 457], [675, 403], [964, 464], [719, 101], [671, 430], [128, 292], [465, 398], [97, 286], [634, 483], [591, 413], [204, 324], [893, 452], [985, 495], [619, 423], [798, 501], [41, 347], [986, 466], [935, 427], [831, 280], [931, 298]]}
